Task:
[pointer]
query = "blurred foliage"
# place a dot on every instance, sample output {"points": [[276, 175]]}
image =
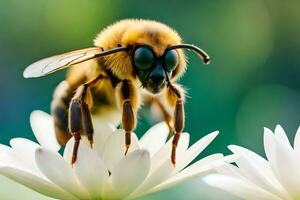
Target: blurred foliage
{"points": [[252, 82]]}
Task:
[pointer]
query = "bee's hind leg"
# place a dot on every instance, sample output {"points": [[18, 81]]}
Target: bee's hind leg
{"points": [[164, 112], [80, 117]]}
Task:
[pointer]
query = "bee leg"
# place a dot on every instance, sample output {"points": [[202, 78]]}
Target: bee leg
{"points": [[167, 116], [128, 123], [80, 117], [75, 125], [178, 127], [88, 124], [176, 95], [128, 98]]}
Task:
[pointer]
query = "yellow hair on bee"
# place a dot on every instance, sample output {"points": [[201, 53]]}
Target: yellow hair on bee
{"points": [[134, 32]]}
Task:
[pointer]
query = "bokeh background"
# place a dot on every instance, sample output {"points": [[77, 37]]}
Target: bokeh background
{"points": [[252, 82]]}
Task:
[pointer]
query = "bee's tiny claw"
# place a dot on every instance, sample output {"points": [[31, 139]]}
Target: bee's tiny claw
{"points": [[126, 151], [91, 141], [74, 158]]}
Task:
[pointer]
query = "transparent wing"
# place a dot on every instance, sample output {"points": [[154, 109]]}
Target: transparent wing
{"points": [[52, 64]]}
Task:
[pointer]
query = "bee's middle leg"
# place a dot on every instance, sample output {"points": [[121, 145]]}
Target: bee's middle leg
{"points": [[165, 113], [129, 102]]}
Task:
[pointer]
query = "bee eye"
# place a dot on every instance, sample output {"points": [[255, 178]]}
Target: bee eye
{"points": [[171, 60], [143, 58]]}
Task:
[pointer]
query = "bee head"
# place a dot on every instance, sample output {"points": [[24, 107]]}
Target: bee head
{"points": [[153, 55], [153, 70]]}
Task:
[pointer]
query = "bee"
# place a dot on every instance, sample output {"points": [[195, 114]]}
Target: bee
{"points": [[132, 60]]}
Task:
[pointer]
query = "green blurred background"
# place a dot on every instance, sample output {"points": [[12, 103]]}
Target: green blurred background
{"points": [[252, 82]]}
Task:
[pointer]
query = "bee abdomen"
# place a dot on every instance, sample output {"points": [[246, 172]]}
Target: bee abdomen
{"points": [[59, 111]]}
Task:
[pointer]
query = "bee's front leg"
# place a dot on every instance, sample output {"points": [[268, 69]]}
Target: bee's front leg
{"points": [[175, 97], [128, 99]]}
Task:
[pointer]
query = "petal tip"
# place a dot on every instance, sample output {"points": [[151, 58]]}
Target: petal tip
{"points": [[233, 147]]}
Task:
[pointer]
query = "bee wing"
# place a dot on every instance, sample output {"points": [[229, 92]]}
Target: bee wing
{"points": [[52, 64]]}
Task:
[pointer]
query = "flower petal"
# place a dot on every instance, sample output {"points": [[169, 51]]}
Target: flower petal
{"points": [[190, 172], [281, 135], [238, 187], [8, 158], [257, 170], [195, 150], [228, 169], [43, 129], [199, 166], [155, 178], [164, 153], [19, 191], [161, 165], [90, 170], [36, 183], [155, 137], [115, 147], [297, 141], [129, 173], [57, 170], [103, 131], [24, 151], [285, 163]]}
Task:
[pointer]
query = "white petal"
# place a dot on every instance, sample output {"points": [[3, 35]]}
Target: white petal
{"points": [[257, 170], [19, 191], [285, 163], [230, 158], [268, 143], [103, 131], [129, 173], [57, 170], [164, 154], [24, 151], [9, 158], [43, 129], [155, 138], [161, 165], [69, 148], [36, 183], [281, 135], [115, 147], [228, 169], [90, 170], [297, 141], [155, 178], [195, 150], [238, 187], [199, 166], [190, 172]]}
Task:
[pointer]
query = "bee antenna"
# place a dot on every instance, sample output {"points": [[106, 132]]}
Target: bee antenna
{"points": [[111, 51], [205, 57]]}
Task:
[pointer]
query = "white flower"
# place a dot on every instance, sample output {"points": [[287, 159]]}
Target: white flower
{"points": [[254, 177], [102, 172]]}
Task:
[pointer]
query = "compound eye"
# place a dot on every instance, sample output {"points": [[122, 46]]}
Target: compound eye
{"points": [[143, 58], [171, 60]]}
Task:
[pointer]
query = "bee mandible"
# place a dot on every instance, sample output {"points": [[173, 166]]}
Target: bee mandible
{"points": [[132, 60]]}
